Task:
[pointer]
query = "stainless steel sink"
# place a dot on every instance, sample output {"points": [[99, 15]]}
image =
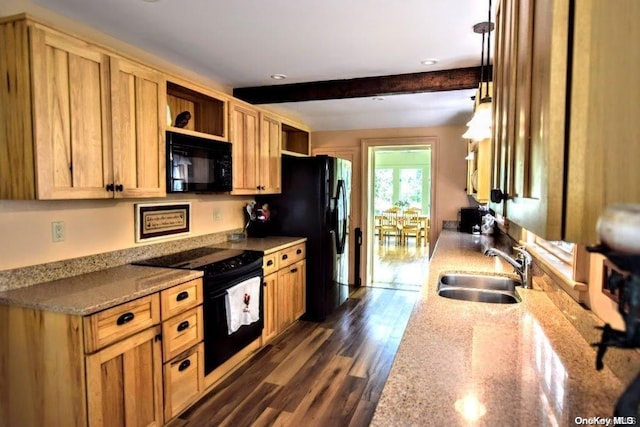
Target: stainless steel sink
{"points": [[479, 288]]}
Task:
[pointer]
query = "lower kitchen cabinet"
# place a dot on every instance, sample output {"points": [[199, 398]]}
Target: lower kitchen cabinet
{"points": [[284, 289], [105, 369], [124, 382]]}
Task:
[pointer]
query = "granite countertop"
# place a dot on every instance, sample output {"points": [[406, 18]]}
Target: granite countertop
{"points": [[92, 292], [266, 244], [497, 364]]}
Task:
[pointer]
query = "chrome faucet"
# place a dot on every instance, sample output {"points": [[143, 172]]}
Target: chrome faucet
{"points": [[521, 263]]}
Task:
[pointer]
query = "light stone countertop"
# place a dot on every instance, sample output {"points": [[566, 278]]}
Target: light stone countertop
{"points": [[503, 364], [266, 244], [92, 292]]}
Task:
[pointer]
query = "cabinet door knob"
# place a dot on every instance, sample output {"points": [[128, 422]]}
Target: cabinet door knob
{"points": [[258, 187], [183, 325], [182, 295], [294, 270], [262, 188], [125, 318], [184, 365], [120, 187], [299, 251], [109, 187], [270, 262]]}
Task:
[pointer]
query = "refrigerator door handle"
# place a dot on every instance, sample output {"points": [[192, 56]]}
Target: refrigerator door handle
{"points": [[340, 223]]}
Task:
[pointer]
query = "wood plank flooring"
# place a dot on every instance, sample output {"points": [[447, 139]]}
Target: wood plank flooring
{"points": [[314, 374], [400, 266]]}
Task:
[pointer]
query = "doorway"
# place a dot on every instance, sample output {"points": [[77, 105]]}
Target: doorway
{"points": [[399, 211]]}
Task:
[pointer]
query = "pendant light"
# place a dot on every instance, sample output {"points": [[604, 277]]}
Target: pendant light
{"points": [[481, 124]]}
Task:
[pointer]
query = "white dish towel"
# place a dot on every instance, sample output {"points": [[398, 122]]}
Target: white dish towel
{"points": [[243, 304]]}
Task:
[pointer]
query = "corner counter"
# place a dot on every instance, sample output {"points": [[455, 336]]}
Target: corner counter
{"points": [[463, 363], [265, 244]]}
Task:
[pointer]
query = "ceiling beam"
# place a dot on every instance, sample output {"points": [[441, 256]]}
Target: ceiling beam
{"points": [[432, 81]]}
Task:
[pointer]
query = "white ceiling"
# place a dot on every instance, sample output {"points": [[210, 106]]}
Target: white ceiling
{"points": [[242, 43]]}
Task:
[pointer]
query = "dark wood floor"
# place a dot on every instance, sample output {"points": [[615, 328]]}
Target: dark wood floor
{"points": [[315, 374]]}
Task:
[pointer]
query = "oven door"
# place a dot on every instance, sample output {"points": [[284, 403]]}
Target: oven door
{"points": [[219, 345]]}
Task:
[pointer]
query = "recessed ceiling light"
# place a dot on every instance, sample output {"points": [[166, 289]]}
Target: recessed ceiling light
{"points": [[377, 98], [429, 62], [278, 76], [150, 1]]}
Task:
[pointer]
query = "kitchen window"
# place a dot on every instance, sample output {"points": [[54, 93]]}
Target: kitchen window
{"points": [[566, 263]]}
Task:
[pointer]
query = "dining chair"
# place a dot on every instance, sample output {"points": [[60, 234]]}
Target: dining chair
{"points": [[412, 225], [389, 225]]}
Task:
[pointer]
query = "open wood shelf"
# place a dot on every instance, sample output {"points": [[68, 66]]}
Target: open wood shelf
{"points": [[207, 112]]}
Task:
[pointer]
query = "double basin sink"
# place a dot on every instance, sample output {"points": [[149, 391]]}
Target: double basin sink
{"points": [[479, 287]]}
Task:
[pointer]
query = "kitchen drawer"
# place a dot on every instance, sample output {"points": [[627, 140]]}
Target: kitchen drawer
{"points": [[180, 298], [270, 263], [291, 255], [181, 332], [183, 381], [113, 324]]}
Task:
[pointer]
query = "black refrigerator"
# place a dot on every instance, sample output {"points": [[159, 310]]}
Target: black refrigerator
{"points": [[315, 203]]}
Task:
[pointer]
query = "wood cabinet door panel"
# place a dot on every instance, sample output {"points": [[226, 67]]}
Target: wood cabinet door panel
{"points": [[124, 382], [270, 329], [244, 137], [138, 104], [270, 155], [72, 143]]}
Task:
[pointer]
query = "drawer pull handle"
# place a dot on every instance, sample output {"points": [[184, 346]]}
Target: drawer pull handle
{"points": [[184, 365], [125, 318], [182, 295], [299, 251], [285, 256], [294, 270], [183, 325], [270, 262]]}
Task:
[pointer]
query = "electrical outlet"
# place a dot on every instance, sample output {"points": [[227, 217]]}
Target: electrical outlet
{"points": [[57, 231], [217, 215]]}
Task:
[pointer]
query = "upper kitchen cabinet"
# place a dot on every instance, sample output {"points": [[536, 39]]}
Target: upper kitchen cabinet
{"points": [[565, 105], [137, 105], [207, 109], [79, 123], [255, 137], [296, 139]]}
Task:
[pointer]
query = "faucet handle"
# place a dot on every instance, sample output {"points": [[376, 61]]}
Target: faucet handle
{"points": [[523, 254]]}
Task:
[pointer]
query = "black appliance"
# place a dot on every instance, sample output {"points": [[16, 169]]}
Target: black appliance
{"points": [[223, 269], [471, 217], [197, 164], [315, 203]]}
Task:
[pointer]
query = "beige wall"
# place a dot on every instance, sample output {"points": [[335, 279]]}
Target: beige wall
{"points": [[450, 166], [94, 227], [449, 175]]}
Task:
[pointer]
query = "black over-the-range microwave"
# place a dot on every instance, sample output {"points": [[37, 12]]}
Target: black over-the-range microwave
{"points": [[197, 164]]}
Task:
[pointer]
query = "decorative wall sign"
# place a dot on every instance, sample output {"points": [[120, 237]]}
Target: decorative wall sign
{"points": [[161, 220]]}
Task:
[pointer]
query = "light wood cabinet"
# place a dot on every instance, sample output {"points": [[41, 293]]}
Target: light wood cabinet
{"points": [[284, 289], [565, 113], [138, 102], [244, 126], [80, 123], [269, 163], [138, 363], [182, 343], [271, 326], [124, 382], [255, 137]]}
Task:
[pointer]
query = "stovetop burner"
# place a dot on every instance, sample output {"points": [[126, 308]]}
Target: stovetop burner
{"points": [[205, 258]]}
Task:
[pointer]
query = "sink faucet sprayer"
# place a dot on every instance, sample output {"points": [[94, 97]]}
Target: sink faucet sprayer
{"points": [[521, 263]]}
